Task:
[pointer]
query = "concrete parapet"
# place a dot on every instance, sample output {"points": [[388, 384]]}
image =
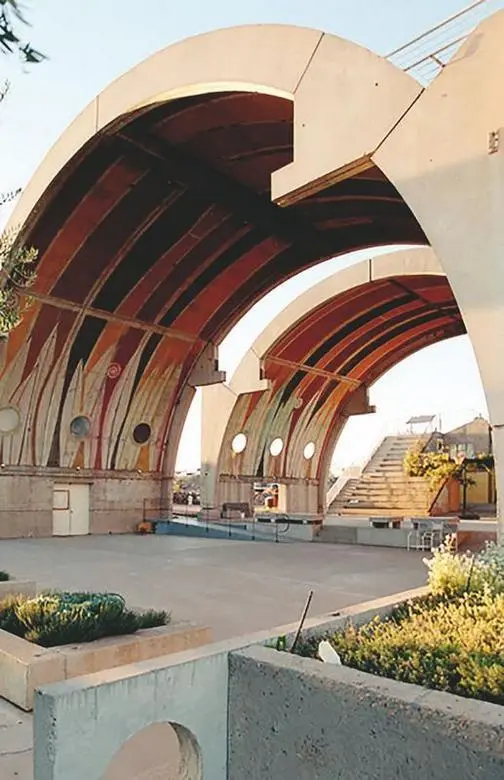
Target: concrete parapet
{"points": [[25, 666]]}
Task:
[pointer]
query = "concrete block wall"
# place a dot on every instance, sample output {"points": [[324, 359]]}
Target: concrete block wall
{"points": [[117, 503], [25, 505], [115, 500]]}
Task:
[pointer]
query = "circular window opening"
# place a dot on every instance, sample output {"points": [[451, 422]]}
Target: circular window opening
{"points": [[142, 433], [80, 426], [276, 447], [239, 443], [309, 450], [9, 420]]}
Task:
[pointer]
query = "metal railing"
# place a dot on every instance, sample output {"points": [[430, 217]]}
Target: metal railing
{"points": [[427, 54]]}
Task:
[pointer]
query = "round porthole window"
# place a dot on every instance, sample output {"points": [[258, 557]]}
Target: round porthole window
{"points": [[239, 443], [309, 450], [142, 433], [80, 426], [9, 420], [276, 447]]}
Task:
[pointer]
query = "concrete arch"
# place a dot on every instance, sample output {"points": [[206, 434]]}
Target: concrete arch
{"points": [[156, 231], [298, 363]]}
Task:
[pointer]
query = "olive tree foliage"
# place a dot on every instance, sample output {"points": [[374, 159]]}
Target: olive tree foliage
{"points": [[11, 38], [17, 262]]}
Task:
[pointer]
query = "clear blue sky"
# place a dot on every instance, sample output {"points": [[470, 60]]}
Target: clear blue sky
{"points": [[91, 42]]}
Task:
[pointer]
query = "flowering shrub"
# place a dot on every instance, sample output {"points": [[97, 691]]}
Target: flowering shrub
{"points": [[451, 640], [52, 619], [451, 574], [435, 467]]}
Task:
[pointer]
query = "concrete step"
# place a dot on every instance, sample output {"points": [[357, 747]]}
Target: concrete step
{"points": [[387, 493], [384, 507], [404, 512]]}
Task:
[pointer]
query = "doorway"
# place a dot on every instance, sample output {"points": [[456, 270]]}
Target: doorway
{"points": [[70, 510]]}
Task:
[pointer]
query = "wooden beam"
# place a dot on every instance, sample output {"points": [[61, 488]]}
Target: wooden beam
{"points": [[312, 370], [247, 205], [444, 309], [100, 314]]}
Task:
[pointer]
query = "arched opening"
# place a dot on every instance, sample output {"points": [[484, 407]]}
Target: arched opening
{"points": [[162, 750], [315, 364], [439, 389]]}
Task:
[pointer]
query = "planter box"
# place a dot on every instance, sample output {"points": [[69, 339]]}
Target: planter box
{"points": [[298, 717], [17, 587], [25, 666]]}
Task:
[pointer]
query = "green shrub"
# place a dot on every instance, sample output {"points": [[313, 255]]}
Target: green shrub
{"points": [[450, 644], [60, 618], [4, 576]]}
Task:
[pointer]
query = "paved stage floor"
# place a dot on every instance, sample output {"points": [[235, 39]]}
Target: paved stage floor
{"points": [[235, 587]]}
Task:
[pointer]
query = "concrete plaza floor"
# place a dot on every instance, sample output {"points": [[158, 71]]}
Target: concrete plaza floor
{"points": [[235, 587]]}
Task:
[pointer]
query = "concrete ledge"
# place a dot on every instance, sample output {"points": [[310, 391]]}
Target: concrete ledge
{"points": [[17, 588], [25, 666]]}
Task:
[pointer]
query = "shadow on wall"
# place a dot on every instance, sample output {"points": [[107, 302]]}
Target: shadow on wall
{"points": [[162, 750]]}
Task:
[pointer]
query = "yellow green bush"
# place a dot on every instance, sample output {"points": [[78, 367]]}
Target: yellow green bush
{"points": [[454, 645], [450, 640]]}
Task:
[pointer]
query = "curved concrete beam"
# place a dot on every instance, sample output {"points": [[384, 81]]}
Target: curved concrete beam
{"points": [[446, 158], [219, 400]]}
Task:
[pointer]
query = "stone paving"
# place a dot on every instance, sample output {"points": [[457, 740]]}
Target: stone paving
{"points": [[235, 587]]}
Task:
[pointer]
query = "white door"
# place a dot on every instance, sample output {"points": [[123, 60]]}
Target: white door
{"points": [[70, 510], [61, 510], [79, 510]]}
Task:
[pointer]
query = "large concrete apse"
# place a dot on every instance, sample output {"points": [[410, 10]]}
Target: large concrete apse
{"points": [[195, 184], [310, 369]]}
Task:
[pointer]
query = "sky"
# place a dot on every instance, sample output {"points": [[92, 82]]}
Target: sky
{"points": [[90, 43]]}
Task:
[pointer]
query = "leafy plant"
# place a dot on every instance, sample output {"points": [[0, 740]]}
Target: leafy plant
{"points": [[17, 273], [59, 618], [10, 40], [4, 576], [437, 467], [17, 262]]}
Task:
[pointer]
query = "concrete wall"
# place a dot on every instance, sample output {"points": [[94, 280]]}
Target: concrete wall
{"points": [[116, 500], [310, 720], [257, 714], [80, 725]]}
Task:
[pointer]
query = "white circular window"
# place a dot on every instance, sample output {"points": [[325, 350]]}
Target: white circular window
{"points": [[239, 443], [276, 447], [9, 420], [309, 450]]}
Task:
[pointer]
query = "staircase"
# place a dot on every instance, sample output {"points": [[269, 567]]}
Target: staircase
{"points": [[384, 488]]}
